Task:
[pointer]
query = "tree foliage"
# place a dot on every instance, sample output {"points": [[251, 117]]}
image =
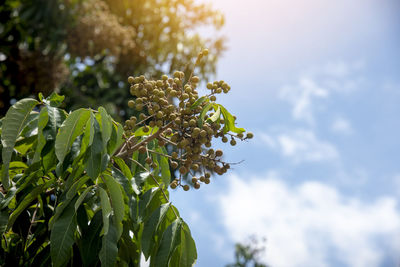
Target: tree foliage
{"points": [[84, 48], [81, 189]]}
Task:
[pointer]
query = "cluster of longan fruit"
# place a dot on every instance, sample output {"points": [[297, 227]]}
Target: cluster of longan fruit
{"points": [[97, 29], [173, 106]]}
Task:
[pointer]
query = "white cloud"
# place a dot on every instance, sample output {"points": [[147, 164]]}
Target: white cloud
{"points": [[301, 146], [342, 126], [301, 97], [311, 224], [319, 83]]}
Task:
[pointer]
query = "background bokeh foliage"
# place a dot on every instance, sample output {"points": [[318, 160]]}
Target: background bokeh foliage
{"points": [[86, 49]]}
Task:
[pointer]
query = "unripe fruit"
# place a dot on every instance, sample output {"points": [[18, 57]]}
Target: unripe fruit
{"points": [[164, 77], [174, 155], [209, 85], [249, 135], [131, 103], [213, 98], [205, 52], [183, 170], [174, 164], [195, 79], [186, 187], [195, 167], [240, 135], [131, 79], [202, 178], [173, 185], [146, 129], [160, 114], [149, 160], [224, 139], [207, 181], [207, 175], [197, 185], [219, 153], [233, 142], [194, 180]]}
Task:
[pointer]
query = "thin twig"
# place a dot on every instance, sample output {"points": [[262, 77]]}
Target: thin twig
{"points": [[123, 152]]}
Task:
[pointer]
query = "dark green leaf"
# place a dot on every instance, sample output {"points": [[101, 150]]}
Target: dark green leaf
{"points": [[13, 123], [188, 252], [82, 197], [109, 248], [117, 202], [62, 235], [27, 202], [116, 139], [150, 227], [106, 126], [91, 242], [42, 122], [3, 221], [169, 241], [94, 156], [106, 208]]}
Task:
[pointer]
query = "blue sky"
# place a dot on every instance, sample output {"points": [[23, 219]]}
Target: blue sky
{"points": [[318, 82]]}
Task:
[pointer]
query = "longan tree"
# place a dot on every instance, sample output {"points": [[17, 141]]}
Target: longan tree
{"points": [[81, 189], [84, 48]]}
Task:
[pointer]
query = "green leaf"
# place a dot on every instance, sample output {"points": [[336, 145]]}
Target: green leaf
{"points": [[216, 115], [146, 199], [42, 122], [116, 139], [82, 197], [71, 128], [9, 196], [106, 126], [91, 242], [165, 172], [117, 202], [106, 209], [13, 123], [54, 100], [169, 241], [203, 114], [150, 227], [88, 135], [94, 156], [3, 221], [188, 252], [199, 101], [69, 196], [229, 122], [56, 118], [125, 179], [139, 132], [62, 236], [27, 202], [109, 248]]}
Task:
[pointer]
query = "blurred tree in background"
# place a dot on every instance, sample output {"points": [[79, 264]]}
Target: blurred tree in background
{"points": [[248, 253], [86, 49]]}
